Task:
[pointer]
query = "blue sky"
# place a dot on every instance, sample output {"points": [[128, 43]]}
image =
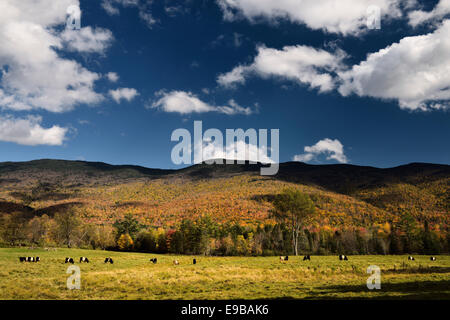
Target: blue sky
{"points": [[308, 76]]}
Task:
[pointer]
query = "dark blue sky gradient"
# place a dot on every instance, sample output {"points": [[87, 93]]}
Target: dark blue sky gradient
{"points": [[373, 132]]}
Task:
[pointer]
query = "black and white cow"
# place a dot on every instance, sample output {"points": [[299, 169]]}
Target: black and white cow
{"points": [[22, 259], [84, 259], [154, 260], [307, 257], [433, 258], [343, 257], [176, 262], [411, 258], [30, 259], [37, 259], [110, 260], [286, 258], [69, 260], [194, 261]]}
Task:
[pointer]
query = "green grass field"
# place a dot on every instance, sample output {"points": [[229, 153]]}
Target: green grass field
{"points": [[132, 276]]}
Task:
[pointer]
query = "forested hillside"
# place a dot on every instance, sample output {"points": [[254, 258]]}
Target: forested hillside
{"points": [[365, 202]]}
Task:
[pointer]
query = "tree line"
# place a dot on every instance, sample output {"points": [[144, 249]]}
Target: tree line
{"points": [[291, 234]]}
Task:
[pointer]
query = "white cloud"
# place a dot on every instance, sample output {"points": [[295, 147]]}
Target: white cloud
{"points": [[238, 151], [123, 94], [332, 148], [334, 16], [414, 71], [147, 17], [112, 76], [234, 108], [235, 76], [111, 7], [84, 122], [173, 11], [28, 131], [34, 75], [418, 17], [108, 6], [87, 39], [186, 102], [302, 64]]}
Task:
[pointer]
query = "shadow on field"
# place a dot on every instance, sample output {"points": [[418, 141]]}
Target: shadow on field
{"points": [[419, 269], [408, 290]]}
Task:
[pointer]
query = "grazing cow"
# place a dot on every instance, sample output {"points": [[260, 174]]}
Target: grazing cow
{"points": [[343, 257], [30, 259], [69, 260], [307, 257], [154, 260], [411, 258], [433, 258], [22, 259], [176, 262], [37, 259], [194, 261], [286, 258], [109, 260], [84, 259]]}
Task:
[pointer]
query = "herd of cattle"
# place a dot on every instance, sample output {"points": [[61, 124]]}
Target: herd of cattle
{"points": [[29, 259], [176, 262]]}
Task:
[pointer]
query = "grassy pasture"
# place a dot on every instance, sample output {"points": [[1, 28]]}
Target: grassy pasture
{"points": [[132, 276]]}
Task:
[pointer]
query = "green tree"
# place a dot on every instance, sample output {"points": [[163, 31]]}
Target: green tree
{"points": [[412, 242], [293, 207], [146, 241], [129, 225]]}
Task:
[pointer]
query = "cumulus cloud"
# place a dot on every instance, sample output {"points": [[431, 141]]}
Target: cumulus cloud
{"points": [[334, 16], [33, 74], [418, 17], [28, 131], [112, 76], [123, 94], [87, 39], [240, 150], [333, 149], [186, 102], [414, 71], [303, 64]]}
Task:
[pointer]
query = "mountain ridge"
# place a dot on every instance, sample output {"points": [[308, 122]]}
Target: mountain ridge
{"points": [[3, 163]]}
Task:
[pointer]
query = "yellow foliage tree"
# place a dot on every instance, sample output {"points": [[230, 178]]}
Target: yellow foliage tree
{"points": [[125, 242]]}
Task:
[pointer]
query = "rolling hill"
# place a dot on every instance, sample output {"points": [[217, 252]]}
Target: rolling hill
{"points": [[344, 194]]}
